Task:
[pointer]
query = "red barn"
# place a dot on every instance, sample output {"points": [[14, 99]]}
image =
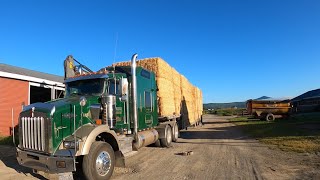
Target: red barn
{"points": [[20, 87]]}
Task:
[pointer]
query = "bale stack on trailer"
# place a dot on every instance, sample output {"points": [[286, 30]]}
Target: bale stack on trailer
{"points": [[176, 95], [177, 91], [188, 101], [199, 106]]}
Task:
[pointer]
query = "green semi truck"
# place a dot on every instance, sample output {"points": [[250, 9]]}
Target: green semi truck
{"points": [[103, 117]]}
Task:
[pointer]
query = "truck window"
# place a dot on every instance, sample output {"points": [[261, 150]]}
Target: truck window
{"points": [[145, 73], [147, 101], [85, 87], [113, 87]]}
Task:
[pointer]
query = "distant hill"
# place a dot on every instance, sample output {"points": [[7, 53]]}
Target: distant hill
{"points": [[224, 105], [229, 105], [263, 97]]}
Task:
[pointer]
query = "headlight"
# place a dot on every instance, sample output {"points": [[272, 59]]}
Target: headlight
{"points": [[70, 144]]}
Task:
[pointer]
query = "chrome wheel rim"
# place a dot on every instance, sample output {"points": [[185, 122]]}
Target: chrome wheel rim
{"points": [[103, 163], [169, 136], [176, 132]]}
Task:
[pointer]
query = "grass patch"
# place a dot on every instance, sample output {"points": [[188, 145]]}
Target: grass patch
{"points": [[298, 133], [295, 143], [226, 111]]}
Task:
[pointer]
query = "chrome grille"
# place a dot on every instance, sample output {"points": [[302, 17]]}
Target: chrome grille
{"points": [[33, 133]]}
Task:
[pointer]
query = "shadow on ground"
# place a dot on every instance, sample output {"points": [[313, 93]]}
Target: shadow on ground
{"points": [[251, 128], [8, 157], [228, 132]]}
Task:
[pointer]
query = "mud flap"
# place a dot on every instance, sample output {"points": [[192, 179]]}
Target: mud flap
{"points": [[120, 160]]}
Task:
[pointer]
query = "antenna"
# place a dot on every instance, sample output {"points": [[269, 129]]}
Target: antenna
{"points": [[115, 49], [114, 61]]}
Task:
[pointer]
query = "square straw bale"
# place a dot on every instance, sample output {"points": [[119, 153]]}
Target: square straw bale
{"points": [[176, 94]]}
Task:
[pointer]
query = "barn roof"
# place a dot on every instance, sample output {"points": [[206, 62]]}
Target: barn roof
{"points": [[22, 73], [308, 95]]}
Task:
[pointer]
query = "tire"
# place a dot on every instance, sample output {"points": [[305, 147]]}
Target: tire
{"points": [[166, 142], [175, 132], [100, 154], [263, 116], [157, 143], [270, 117]]}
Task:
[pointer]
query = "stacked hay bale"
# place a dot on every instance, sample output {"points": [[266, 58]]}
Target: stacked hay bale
{"points": [[176, 95], [176, 80], [187, 92], [199, 105]]}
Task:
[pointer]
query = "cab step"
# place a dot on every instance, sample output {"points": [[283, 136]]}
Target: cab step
{"points": [[125, 144]]}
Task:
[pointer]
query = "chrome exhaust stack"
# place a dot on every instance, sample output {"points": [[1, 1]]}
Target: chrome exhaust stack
{"points": [[134, 96]]}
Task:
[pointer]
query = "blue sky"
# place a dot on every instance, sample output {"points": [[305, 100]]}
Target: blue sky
{"points": [[232, 50]]}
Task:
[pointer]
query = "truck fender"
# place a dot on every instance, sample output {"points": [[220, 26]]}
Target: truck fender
{"points": [[90, 135]]}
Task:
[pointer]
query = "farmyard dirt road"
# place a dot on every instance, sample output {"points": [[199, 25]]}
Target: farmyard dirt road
{"points": [[220, 151]]}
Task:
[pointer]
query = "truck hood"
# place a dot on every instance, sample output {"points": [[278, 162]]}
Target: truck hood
{"points": [[58, 105], [61, 113]]}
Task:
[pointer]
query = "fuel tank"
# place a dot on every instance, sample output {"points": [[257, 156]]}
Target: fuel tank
{"points": [[146, 138]]}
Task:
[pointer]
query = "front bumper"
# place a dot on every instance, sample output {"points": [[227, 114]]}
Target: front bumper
{"points": [[45, 163]]}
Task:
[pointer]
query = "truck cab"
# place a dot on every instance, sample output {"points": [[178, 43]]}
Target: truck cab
{"points": [[103, 116]]}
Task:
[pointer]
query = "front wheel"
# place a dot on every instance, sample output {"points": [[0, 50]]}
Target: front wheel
{"points": [[99, 163]]}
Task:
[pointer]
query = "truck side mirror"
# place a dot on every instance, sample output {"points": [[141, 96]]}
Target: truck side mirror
{"points": [[124, 85]]}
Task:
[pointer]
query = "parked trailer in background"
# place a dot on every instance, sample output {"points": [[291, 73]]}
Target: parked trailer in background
{"points": [[105, 116], [268, 108]]}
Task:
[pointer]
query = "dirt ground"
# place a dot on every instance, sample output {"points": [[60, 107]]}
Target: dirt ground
{"points": [[220, 151]]}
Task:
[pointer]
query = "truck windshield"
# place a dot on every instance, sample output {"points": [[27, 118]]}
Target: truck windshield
{"points": [[113, 87], [85, 87]]}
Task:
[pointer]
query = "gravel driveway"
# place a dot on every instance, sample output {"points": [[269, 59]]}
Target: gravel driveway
{"points": [[220, 151]]}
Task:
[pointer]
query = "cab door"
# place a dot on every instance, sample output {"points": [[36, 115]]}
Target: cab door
{"points": [[114, 89], [148, 109]]}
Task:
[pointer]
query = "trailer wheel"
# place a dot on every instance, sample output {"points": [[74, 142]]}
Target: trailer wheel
{"points": [[99, 163], [175, 133], [166, 142], [270, 117]]}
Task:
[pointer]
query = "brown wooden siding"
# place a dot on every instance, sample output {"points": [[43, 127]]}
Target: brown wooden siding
{"points": [[13, 93]]}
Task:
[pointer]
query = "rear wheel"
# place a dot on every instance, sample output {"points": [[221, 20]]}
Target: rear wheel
{"points": [[99, 163], [166, 142], [157, 143], [175, 134], [270, 117]]}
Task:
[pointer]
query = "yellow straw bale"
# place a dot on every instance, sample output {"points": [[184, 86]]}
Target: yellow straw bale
{"points": [[166, 106], [165, 87], [176, 94]]}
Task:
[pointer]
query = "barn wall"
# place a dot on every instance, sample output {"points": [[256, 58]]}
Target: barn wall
{"points": [[13, 93]]}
